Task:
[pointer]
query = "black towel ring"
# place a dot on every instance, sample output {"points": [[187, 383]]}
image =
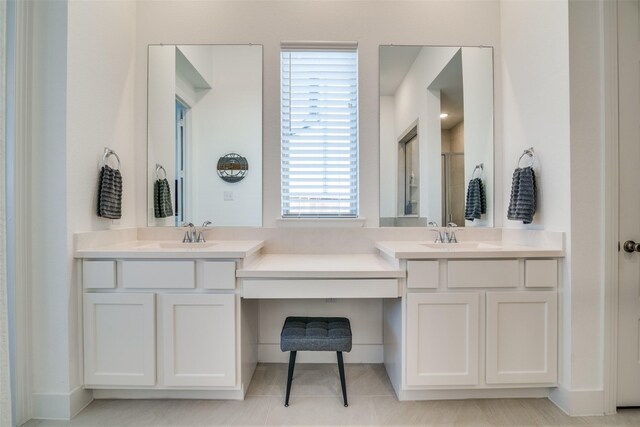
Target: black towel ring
{"points": [[528, 152], [159, 168], [108, 152], [478, 167]]}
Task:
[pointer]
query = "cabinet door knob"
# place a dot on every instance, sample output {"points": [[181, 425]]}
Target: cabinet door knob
{"points": [[631, 246]]}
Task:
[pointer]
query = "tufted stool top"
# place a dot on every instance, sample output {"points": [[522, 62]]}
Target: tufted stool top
{"points": [[316, 334]]}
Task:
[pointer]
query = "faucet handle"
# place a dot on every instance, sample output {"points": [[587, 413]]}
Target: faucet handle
{"points": [[432, 224], [201, 238], [189, 236], [451, 235]]}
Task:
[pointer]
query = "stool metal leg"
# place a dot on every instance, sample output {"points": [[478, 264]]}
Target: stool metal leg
{"points": [[342, 380], [292, 363]]}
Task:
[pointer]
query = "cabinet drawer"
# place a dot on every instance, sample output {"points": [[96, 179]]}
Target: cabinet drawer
{"points": [[319, 288], [99, 274], [158, 274], [423, 274], [484, 274], [541, 273], [219, 274]]}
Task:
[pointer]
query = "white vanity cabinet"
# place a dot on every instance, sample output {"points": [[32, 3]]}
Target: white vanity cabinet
{"points": [[198, 334], [119, 339], [442, 338], [521, 337], [160, 324], [481, 323]]}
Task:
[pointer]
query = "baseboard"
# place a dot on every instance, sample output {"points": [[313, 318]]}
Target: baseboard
{"points": [[578, 402], [168, 394], [488, 393], [60, 406], [360, 353]]}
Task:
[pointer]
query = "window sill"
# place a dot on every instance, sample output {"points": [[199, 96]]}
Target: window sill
{"points": [[320, 222]]}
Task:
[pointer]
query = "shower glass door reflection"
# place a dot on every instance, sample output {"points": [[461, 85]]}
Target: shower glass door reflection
{"points": [[453, 191], [411, 178]]}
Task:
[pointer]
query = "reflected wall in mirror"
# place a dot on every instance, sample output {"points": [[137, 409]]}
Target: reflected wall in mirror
{"points": [[436, 136], [204, 101]]}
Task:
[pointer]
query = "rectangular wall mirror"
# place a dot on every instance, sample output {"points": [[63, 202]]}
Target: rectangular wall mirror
{"points": [[204, 133], [436, 136]]}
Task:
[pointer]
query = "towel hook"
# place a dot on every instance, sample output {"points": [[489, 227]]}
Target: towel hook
{"points": [[528, 152], [479, 166], [159, 168], [108, 152]]}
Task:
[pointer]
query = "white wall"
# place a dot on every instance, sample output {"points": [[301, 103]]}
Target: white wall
{"points": [[161, 128], [80, 105], [371, 23], [587, 195], [228, 118], [388, 158], [552, 100], [50, 290], [477, 72]]}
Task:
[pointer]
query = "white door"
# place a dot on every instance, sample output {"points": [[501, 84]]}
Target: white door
{"points": [[442, 338], [199, 346], [629, 263], [119, 339], [522, 337]]}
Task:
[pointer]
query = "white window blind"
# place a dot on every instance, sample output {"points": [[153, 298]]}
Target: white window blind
{"points": [[319, 130]]}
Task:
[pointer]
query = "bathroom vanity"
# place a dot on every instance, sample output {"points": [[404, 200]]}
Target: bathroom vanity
{"points": [[476, 320], [169, 319]]}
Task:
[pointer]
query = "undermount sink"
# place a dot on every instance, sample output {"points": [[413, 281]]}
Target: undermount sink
{"points": [[460, 245], [178, 245]]}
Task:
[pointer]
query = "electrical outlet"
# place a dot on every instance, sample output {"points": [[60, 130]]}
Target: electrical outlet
{"points": [[228, 196]]}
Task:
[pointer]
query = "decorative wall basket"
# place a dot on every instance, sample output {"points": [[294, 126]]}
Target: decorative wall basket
{"points": [[232, 167]]}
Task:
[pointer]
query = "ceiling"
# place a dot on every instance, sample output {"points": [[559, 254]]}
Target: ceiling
{"points": [[395, 62]]}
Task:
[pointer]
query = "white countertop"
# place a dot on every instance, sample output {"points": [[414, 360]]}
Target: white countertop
{"points": [[140, 249], [310, 266], [490, 249]]}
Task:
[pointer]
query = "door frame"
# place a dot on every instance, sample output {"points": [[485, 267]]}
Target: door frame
{"points": [[611, 203]]}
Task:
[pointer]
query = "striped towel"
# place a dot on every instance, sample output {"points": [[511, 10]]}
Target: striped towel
{"points": [[476, 200], [522, 205], [110, 193], [162, 199]]}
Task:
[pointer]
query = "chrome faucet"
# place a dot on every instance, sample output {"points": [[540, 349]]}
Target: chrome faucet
{"points": [[190, 236], [450, 233], [201, 234], [439, 235]]}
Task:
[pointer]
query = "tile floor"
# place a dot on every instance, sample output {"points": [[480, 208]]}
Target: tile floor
{"points": [[316, 400]]}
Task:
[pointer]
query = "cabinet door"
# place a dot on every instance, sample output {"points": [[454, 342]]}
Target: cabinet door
{"points": [[442, 338], [522, 337], [199, 347], [119, 339]]}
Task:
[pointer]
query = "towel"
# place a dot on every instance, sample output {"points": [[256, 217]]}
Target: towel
{"points": [[476, 200], [162, 199], [110, 193], [522, 205]]}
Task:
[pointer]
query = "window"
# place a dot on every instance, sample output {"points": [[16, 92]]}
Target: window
{"points": [[319, 130]]}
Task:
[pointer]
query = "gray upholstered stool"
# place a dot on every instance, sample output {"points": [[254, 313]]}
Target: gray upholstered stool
{"points": [[316, 334]]}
